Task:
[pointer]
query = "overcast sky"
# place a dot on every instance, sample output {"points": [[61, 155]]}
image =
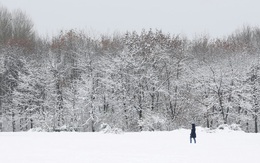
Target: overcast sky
{"points": [[187, 17]]}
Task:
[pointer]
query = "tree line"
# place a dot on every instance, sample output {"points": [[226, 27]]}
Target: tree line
{"points": [[135, 81]]}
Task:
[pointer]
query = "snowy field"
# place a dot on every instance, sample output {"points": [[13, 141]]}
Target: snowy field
{"points": [[219, 146]]}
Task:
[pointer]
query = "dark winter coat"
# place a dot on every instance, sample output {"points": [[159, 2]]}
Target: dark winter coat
{"points": [[193, 131]]}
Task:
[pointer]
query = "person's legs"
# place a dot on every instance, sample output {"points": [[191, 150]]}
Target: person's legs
{"points": [[190, 139], [194, 140]]}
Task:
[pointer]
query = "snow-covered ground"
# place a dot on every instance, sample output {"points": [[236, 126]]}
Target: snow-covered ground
{"points": [[219, 146]]}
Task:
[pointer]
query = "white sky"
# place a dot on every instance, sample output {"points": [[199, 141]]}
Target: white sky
{"points": [[187, 17]]}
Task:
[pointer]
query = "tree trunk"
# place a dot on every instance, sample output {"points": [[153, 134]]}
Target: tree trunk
{"points": [[207, 119], [152, 99], [1, 114], [13, 122], [92, 126], [126, 117], [172, 111], [140, 113], [31, 120], [221, 106], [59, 103]]}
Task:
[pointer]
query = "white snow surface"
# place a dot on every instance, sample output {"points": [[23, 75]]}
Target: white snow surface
{"points": [[217, 146]]}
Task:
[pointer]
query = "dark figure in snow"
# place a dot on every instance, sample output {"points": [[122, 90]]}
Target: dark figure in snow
{"points": [[193, 133]]}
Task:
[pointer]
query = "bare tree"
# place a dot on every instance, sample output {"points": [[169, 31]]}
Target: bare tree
{"points": [[5, 25]]}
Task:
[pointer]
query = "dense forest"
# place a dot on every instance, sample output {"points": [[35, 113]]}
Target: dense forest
{"points": [[133, 81]]}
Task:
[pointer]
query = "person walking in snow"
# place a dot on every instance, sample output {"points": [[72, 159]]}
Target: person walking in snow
{"points": [[193, 133]]}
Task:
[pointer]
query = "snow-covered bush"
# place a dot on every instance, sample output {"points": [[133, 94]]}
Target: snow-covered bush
{"points": [[152, 123], [233, 127], [105, 128], [37, 129]]}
